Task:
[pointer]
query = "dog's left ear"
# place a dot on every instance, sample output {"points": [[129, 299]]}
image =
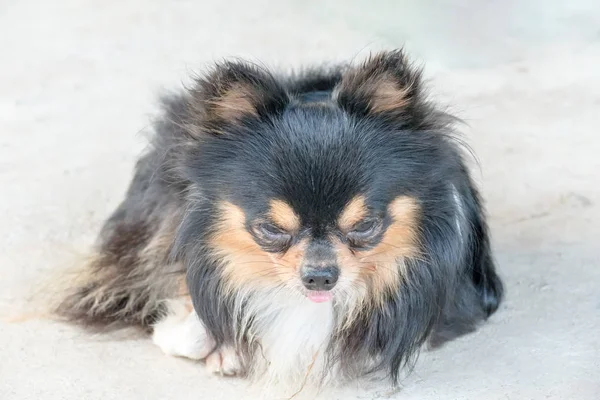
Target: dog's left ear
{"points": [[235, 91], [386, 85]]}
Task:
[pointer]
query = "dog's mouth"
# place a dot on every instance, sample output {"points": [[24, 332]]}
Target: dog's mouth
{"points": [[319, 296]]}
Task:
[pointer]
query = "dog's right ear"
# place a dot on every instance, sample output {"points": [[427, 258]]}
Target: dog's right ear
{"points": [[236, 91]]}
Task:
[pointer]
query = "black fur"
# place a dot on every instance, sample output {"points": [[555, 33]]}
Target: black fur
{"points": [[315, 141]]}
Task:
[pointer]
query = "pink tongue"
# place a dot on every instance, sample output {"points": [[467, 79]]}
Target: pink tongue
{"points": [[319, 297]]}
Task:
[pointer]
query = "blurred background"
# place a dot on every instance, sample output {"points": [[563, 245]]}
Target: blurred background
{"points": [[78, 88]]}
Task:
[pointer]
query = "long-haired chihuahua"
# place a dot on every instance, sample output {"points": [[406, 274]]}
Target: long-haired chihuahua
{"points": [[322, 224]]}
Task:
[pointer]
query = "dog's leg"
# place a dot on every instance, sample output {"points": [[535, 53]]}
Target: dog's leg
{"points": [[181, 333], [224, 361]]}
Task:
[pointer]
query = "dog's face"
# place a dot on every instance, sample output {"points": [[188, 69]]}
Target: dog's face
{"points": [[314, 203], [325, 196]]}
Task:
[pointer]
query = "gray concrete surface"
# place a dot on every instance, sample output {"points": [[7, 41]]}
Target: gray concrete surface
{"points": [[78, 81]]}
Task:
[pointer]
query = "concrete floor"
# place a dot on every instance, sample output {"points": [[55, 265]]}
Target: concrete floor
{"points": [[77, 89]]}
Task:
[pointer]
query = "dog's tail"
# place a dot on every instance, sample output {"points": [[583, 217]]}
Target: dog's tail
{"points": [[127, 281], [104, 298]]}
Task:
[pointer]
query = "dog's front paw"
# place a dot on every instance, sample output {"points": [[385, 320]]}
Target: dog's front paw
{"points": [[181, 333], [224, 361]]}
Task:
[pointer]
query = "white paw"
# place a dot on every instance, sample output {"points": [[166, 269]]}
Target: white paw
{"points": [[181, 333], [224, 361]]}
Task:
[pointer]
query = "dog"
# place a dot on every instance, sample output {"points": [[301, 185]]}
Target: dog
{"points": [[319, 225]]}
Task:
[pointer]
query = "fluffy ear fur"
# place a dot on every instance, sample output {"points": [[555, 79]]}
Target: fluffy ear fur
{"points": [[235, 91], [387, 85]]}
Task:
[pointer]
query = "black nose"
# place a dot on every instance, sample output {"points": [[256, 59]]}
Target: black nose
{"points": [[320, 278]]}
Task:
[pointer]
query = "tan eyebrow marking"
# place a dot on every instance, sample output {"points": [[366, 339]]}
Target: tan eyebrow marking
{"points": [[353, 213], [284, 216]]}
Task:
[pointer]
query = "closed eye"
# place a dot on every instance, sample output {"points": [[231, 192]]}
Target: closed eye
{"points": [[364, 233], [271, 237], [271, 230], [365, 227]]}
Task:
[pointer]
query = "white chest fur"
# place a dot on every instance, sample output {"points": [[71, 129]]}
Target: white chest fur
{"points": [[293, 333]]}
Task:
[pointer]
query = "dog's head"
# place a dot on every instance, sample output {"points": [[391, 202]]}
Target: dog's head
{"points": [[321, 186]]}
